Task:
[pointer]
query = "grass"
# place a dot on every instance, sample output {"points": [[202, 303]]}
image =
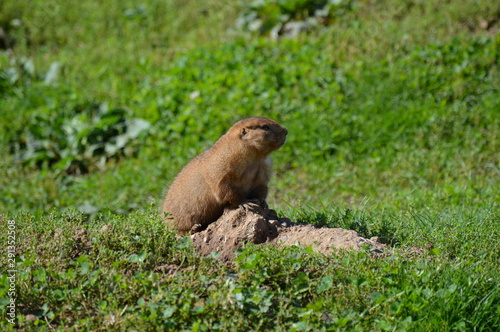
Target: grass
{"points": [[393, 114]]}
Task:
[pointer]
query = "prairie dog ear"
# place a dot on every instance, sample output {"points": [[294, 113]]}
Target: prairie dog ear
{"points": [[243, 132]]}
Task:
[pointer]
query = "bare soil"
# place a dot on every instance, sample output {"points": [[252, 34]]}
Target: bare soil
{"points": [[253, 223]]}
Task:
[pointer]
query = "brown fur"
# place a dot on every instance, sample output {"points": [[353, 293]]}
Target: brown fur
{"points": [[236, 168]]}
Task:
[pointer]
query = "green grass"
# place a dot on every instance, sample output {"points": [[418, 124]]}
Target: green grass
{"points": [[393, 112]]}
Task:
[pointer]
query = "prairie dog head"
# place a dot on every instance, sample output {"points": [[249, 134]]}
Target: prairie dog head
{"points": [[261, 134]]}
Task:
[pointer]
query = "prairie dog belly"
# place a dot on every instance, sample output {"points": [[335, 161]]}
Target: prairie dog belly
{"points": [[255, 174]]}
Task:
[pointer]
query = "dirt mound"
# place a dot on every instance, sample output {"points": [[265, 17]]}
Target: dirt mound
{"points": [[252, 223]]}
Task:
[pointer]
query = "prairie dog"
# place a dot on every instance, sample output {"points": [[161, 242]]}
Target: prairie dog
{"points": [[235, 169]]}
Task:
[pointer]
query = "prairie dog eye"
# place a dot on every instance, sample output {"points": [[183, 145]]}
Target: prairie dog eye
{"points": [[265, 127]]}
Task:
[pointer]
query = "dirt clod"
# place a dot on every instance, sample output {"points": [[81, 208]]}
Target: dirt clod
{"points": [[30, 318], [252, 223]]}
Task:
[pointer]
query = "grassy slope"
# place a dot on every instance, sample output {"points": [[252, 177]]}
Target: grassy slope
{"points": [[393, 115]]}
